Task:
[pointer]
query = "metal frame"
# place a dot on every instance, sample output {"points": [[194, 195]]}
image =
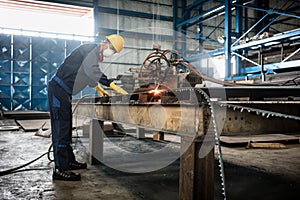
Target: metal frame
{"points": [[238, 10], [192, 130], [28, 64]]}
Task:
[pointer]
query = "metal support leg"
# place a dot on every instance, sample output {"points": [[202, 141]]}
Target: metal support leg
{"points": [[140, 133], [96, 142], [158, 135], [196, 174]]}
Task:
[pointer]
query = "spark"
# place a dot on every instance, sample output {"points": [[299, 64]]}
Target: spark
{"points": [[156, 92]]}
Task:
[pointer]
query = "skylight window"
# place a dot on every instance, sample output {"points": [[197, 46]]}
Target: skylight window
{"points": [[44, 19]]}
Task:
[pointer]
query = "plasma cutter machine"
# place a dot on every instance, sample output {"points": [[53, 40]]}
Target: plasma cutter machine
{"points": [[166, 101]]}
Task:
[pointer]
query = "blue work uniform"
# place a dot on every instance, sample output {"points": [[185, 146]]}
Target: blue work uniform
{"points": [[79, 69]]}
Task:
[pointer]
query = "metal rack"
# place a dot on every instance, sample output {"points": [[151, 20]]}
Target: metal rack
{"points": [[251, 25]]}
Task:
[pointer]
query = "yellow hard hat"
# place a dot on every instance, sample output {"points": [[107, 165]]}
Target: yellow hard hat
{"points": [[117, 41]]}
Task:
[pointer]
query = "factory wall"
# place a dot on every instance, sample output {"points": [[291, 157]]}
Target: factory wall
{"points": [[27, 63], [139, 32]]}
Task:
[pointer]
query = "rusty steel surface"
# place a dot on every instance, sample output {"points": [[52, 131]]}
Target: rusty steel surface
{"points": [[179, 110], [175, 118]]}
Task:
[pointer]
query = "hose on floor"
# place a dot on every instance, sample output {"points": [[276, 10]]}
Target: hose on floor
{"points": [[17, 169], [13, 170]]}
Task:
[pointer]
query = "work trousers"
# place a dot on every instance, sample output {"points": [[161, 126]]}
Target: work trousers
{"points": [[61, 125]]}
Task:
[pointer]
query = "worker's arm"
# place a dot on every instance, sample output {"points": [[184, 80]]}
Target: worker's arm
{"points": [[100, 90], [113, 86]]}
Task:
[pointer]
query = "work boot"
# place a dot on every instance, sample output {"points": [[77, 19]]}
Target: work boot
{"points": [[77, 165], [65, 175]]}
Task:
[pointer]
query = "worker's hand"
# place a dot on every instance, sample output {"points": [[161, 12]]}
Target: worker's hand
{"points": [[117, 89], [101, 91]]}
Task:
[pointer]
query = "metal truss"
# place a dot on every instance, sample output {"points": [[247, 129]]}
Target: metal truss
{"points": [[214, 22]]}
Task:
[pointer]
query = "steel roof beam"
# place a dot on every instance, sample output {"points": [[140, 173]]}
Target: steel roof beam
{"points": [[289, 36], [212, 12]]}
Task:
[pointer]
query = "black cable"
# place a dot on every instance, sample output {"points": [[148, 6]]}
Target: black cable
{"points": [[30, 169], [13, 170], [16, 169], [48, 153]]}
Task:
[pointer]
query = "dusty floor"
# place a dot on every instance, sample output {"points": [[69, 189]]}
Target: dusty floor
{"points": [[250, 173]]}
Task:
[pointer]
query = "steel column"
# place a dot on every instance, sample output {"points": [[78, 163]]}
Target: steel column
{"points": [[96, 19], [238, 29], [175, 19], [227, 33], [183, 30]]}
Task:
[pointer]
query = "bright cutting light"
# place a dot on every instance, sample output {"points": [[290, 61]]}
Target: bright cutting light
{"points": [[156, 92]]}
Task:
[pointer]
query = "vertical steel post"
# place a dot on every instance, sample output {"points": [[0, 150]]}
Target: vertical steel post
{"points": [[238, 29], [30, 74], [227, 33], [183, 30], [261, 62], [140, 133], [96, 20], [175, 20], [200, 33], [11, 70], [96, 142]]}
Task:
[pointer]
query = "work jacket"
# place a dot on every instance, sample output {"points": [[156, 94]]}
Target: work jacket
{"points": [[81, 69]]}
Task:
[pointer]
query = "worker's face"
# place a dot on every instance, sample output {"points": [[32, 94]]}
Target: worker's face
{"points": [[108, 50]]}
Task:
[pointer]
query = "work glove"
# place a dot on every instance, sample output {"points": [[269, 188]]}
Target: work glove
{"points": [[101, 91], [113, 86]]}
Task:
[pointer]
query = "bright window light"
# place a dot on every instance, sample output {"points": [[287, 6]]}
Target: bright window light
{"points": [[46, 20]]}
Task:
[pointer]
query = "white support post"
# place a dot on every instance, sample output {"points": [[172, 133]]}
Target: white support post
{"points": [[96, 142]]}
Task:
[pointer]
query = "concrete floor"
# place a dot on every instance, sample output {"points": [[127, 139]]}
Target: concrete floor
{"points": [[250, 173]]}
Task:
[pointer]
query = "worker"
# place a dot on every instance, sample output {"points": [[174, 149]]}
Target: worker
{"points": [[79, 69]]}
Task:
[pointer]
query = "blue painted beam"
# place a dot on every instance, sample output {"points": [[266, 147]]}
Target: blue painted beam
{"points": [[96, 19], [268, 11], [195, 4], [175, 19], [271, 67], [227, 34], [211, 12], [206, 39], [192, 6], [238, 30], [289, 36]]}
